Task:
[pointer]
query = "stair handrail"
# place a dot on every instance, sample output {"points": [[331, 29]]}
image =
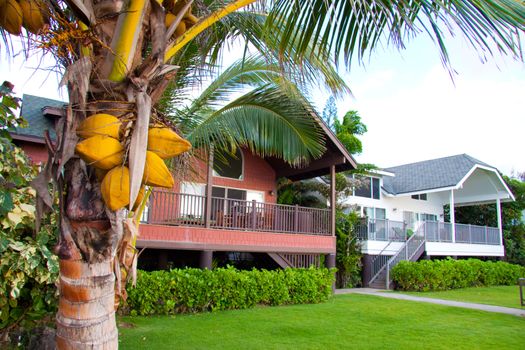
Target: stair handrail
{"points": [[374, 276], [390, 241], [405, 246]]}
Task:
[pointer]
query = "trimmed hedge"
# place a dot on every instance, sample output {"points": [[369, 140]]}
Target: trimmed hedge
{"points": [[432, 275], [196, 290]]}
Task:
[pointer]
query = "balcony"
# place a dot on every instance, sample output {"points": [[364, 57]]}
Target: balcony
{"points": [[441, 238], [179, 209], [180, 221]]}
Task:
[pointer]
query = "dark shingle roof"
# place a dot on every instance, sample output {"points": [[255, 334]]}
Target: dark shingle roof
{"points": [[429, 174], [37, 123]]}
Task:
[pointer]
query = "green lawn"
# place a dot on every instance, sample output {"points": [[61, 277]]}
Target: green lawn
{"points": [[346, 321], [508, 296]]}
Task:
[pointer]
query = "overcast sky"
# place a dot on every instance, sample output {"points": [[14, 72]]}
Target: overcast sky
{"points": [[411, 106]]}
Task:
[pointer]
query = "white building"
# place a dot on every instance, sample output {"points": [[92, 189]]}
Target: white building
{"points": [[404, 207]]}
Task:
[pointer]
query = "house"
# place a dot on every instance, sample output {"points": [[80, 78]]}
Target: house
{"points": [[223, 211], [404, 207], [41, 114]]}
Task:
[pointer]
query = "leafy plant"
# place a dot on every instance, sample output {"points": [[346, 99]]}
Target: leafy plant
{"points": [[28, 269], [348, 258], [432, 275], [196, 290]]}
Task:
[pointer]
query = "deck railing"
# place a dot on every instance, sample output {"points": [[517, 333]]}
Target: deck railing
{"points": [[434, 231], [470, 234], [381, 230], [171, 208]]}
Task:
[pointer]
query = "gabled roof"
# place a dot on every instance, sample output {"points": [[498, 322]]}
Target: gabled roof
{"points": [[37, 122], [431, 174]]}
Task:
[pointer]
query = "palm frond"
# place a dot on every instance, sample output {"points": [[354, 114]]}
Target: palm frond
{"points": [[270, 121], [348, 28]]}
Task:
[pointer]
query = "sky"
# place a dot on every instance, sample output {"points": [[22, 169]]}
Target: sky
{"points": [[415, 111], [411, 106]]}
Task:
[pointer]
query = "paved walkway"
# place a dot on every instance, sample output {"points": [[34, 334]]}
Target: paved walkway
{"points": [[483, 307]]}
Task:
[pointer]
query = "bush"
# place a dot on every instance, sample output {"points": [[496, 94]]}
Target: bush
{"points": [[196, 290], [28, 269], [431, 275]]}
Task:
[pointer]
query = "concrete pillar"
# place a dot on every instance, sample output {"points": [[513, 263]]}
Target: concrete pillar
{"points": [[452, 216], [163, 260], [329, 262], [500, 222], [205, 260]]}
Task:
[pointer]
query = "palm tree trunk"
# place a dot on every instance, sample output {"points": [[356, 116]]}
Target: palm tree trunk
{"points": [[86, 312]]}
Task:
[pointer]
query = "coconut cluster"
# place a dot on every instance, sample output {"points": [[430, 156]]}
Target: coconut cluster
{"points": [[101, 147], [15, 14]]}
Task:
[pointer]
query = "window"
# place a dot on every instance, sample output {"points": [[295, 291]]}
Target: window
{"points": [[375, 213], [369, 187], [228, 165], [421, 197], [192, 200], [428, 217]]}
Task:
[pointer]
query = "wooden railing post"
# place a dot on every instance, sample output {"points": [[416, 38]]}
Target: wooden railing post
{"points": [[209, 186], [296, 218], [254, 214]]}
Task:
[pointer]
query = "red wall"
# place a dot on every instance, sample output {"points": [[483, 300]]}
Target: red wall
{"points": [[258, 175], [35, 151]]}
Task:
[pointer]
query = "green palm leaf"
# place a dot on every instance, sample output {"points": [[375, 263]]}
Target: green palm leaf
{"points": [[347, 28], [269, 120]]}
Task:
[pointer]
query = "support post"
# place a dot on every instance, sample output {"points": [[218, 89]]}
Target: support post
{"points": [[332, 199], [329, 263], [206, 258], [452, 217], [209, 185], [500, 223]]}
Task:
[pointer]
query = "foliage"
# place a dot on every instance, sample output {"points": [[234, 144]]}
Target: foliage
{"points": [[330, 112], [197, 290], [28, 269], [433, 275], [347, 130], [8, 106], [348, 258]]}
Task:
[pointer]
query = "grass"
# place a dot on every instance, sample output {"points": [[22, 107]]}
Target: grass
{"points": [[345, 321], [508, 296]]}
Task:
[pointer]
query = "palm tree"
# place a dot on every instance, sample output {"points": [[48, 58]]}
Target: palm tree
{"points": [[253, 105], [119, 58]]}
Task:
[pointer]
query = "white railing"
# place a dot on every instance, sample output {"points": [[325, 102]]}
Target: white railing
{"points": [[470, 234], [382, 230], [434, 231]]}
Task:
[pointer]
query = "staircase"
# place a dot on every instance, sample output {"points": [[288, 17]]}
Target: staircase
{"points": [[411, 250], [285, 260]]}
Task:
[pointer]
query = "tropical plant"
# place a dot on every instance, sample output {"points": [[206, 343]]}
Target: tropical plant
{"points": [[119, 56], [28, 268]]}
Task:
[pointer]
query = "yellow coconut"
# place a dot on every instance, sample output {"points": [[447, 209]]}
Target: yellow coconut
{"points": [[156, 173], [115, 188], [11, 16], [33, 20], [166, 143], [170, 17], [102, 152], [99, 124], [181, 29]]}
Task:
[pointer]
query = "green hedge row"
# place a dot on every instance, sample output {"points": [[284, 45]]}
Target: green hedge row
{"points": [[430, 275], [196, 290]]}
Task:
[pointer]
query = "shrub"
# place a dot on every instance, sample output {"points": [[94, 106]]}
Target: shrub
{"points": [[196, 290], [431, 275], [28, 269]]}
